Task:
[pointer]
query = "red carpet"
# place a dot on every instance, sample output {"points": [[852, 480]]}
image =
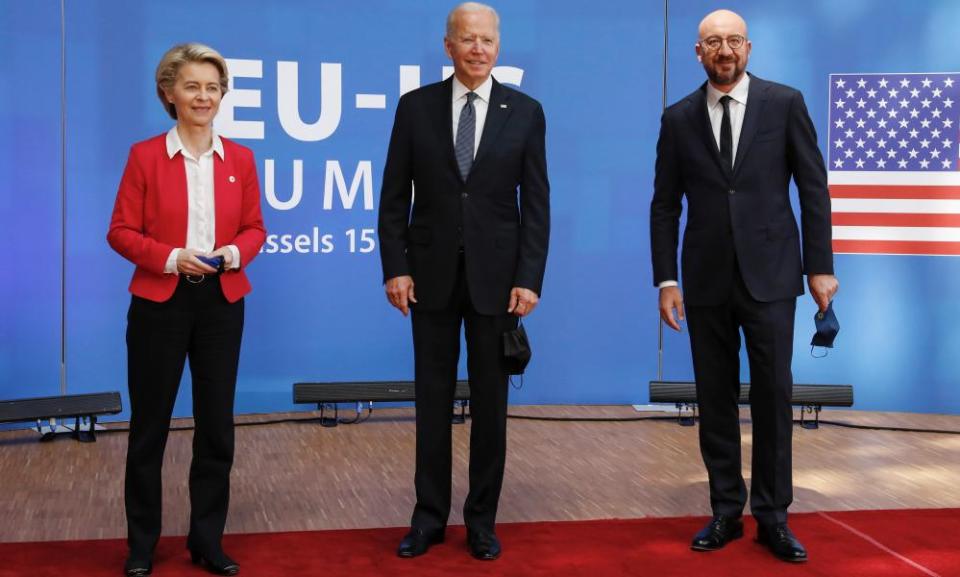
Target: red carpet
{"points": [[901, 543]]}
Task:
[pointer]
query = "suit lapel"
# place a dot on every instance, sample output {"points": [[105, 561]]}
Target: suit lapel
{"points": [[443, 123], [498, 110], [173, 185], [756, 99], [700, 118], [222, 172]]}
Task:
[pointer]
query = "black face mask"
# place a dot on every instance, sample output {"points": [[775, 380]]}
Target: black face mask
{"points": [[516, 350], [827, 328]]}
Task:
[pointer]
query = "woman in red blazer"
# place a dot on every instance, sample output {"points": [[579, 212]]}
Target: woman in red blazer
{"points": [[188, 216]]}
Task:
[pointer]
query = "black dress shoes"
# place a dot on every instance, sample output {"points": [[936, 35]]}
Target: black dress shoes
{"points": [[718, 532], [483, 545], [137, 567], [781, 542], [217, 564], [417, 541]]}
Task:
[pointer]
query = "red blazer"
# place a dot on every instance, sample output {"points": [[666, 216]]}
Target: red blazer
{"points": [[150, 215]]}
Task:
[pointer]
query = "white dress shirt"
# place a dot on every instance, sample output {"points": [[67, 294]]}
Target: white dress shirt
{"points": [[201, 213], [480, 105], [738, 106]]}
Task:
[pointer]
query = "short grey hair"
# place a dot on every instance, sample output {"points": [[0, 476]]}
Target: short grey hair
{"points": [[470, 7], [178, 56]]}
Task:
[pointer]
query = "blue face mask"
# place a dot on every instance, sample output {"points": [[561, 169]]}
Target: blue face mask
{"points": [[827, 328]]}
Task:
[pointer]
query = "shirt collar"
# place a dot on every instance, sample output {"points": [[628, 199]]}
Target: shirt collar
{"points": [[482, 91], [175, 145], [739, 92]]}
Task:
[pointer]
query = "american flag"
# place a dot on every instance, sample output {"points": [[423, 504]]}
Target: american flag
{"points": [[893, 163]]}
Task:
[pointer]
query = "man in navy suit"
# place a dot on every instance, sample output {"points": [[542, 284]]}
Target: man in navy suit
{"points": [[731, 147], [471, 248]]}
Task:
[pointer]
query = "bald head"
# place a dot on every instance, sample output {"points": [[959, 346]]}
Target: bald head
{"points": [[722, 23], [469, 7], [723, 48]]}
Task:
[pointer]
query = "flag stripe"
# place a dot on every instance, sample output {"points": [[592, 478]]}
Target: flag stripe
{"points": [[840, 205], [896, 247], [884, 191], [895, 219], [896, 233], [840, 177]]}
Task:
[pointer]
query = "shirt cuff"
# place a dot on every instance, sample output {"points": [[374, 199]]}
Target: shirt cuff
{"points": [[235, 263], [667, 283], [171, 266]]}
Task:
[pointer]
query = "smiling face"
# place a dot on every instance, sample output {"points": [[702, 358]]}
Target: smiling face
{"points": [[724, 65], [473, 44], [196, 93]]}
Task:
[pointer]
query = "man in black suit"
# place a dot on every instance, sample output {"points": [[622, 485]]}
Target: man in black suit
{"points": [[469, 249], [732, 147]]}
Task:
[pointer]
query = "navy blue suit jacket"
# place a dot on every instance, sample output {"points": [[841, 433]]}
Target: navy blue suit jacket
{"points": [[744, 213], [500, 215]]}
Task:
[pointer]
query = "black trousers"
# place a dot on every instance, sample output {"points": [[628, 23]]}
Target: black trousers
{"points": [[196, 323], [436, 343], [715, 343]]}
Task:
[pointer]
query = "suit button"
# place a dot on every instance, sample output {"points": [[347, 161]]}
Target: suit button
{"points": [[731, 192], [464, 195]]}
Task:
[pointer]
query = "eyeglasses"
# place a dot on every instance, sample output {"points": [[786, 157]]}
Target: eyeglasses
{"points": [[713, 43]]}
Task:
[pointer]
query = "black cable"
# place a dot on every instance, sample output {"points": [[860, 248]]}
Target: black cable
{"points": [[884, 428], [565, 419], [592, 419], [242, 424], [360, 418], [674, 418]]}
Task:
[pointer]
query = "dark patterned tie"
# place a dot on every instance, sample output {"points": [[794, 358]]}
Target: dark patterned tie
{"points": [[466, 134], [726, 133]]}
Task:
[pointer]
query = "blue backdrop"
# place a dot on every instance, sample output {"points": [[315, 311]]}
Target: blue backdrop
{"points": [[315, 85], [30, 198]]}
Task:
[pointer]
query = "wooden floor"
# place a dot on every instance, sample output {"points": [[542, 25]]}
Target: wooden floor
{"points": [[300, 476]]}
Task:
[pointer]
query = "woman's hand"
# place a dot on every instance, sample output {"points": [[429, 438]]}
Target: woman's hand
{"points": [[227, 255], [188, 264]]}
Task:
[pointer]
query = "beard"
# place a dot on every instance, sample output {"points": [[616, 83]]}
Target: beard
{"points": [[723, 78]]}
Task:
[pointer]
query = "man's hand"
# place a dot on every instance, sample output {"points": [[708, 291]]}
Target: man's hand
{"points": [[522, 301], [822, 289], [400, 293], [671, 300]]}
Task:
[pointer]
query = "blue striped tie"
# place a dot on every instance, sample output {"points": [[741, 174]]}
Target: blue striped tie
{"points": [[466, 134]]}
